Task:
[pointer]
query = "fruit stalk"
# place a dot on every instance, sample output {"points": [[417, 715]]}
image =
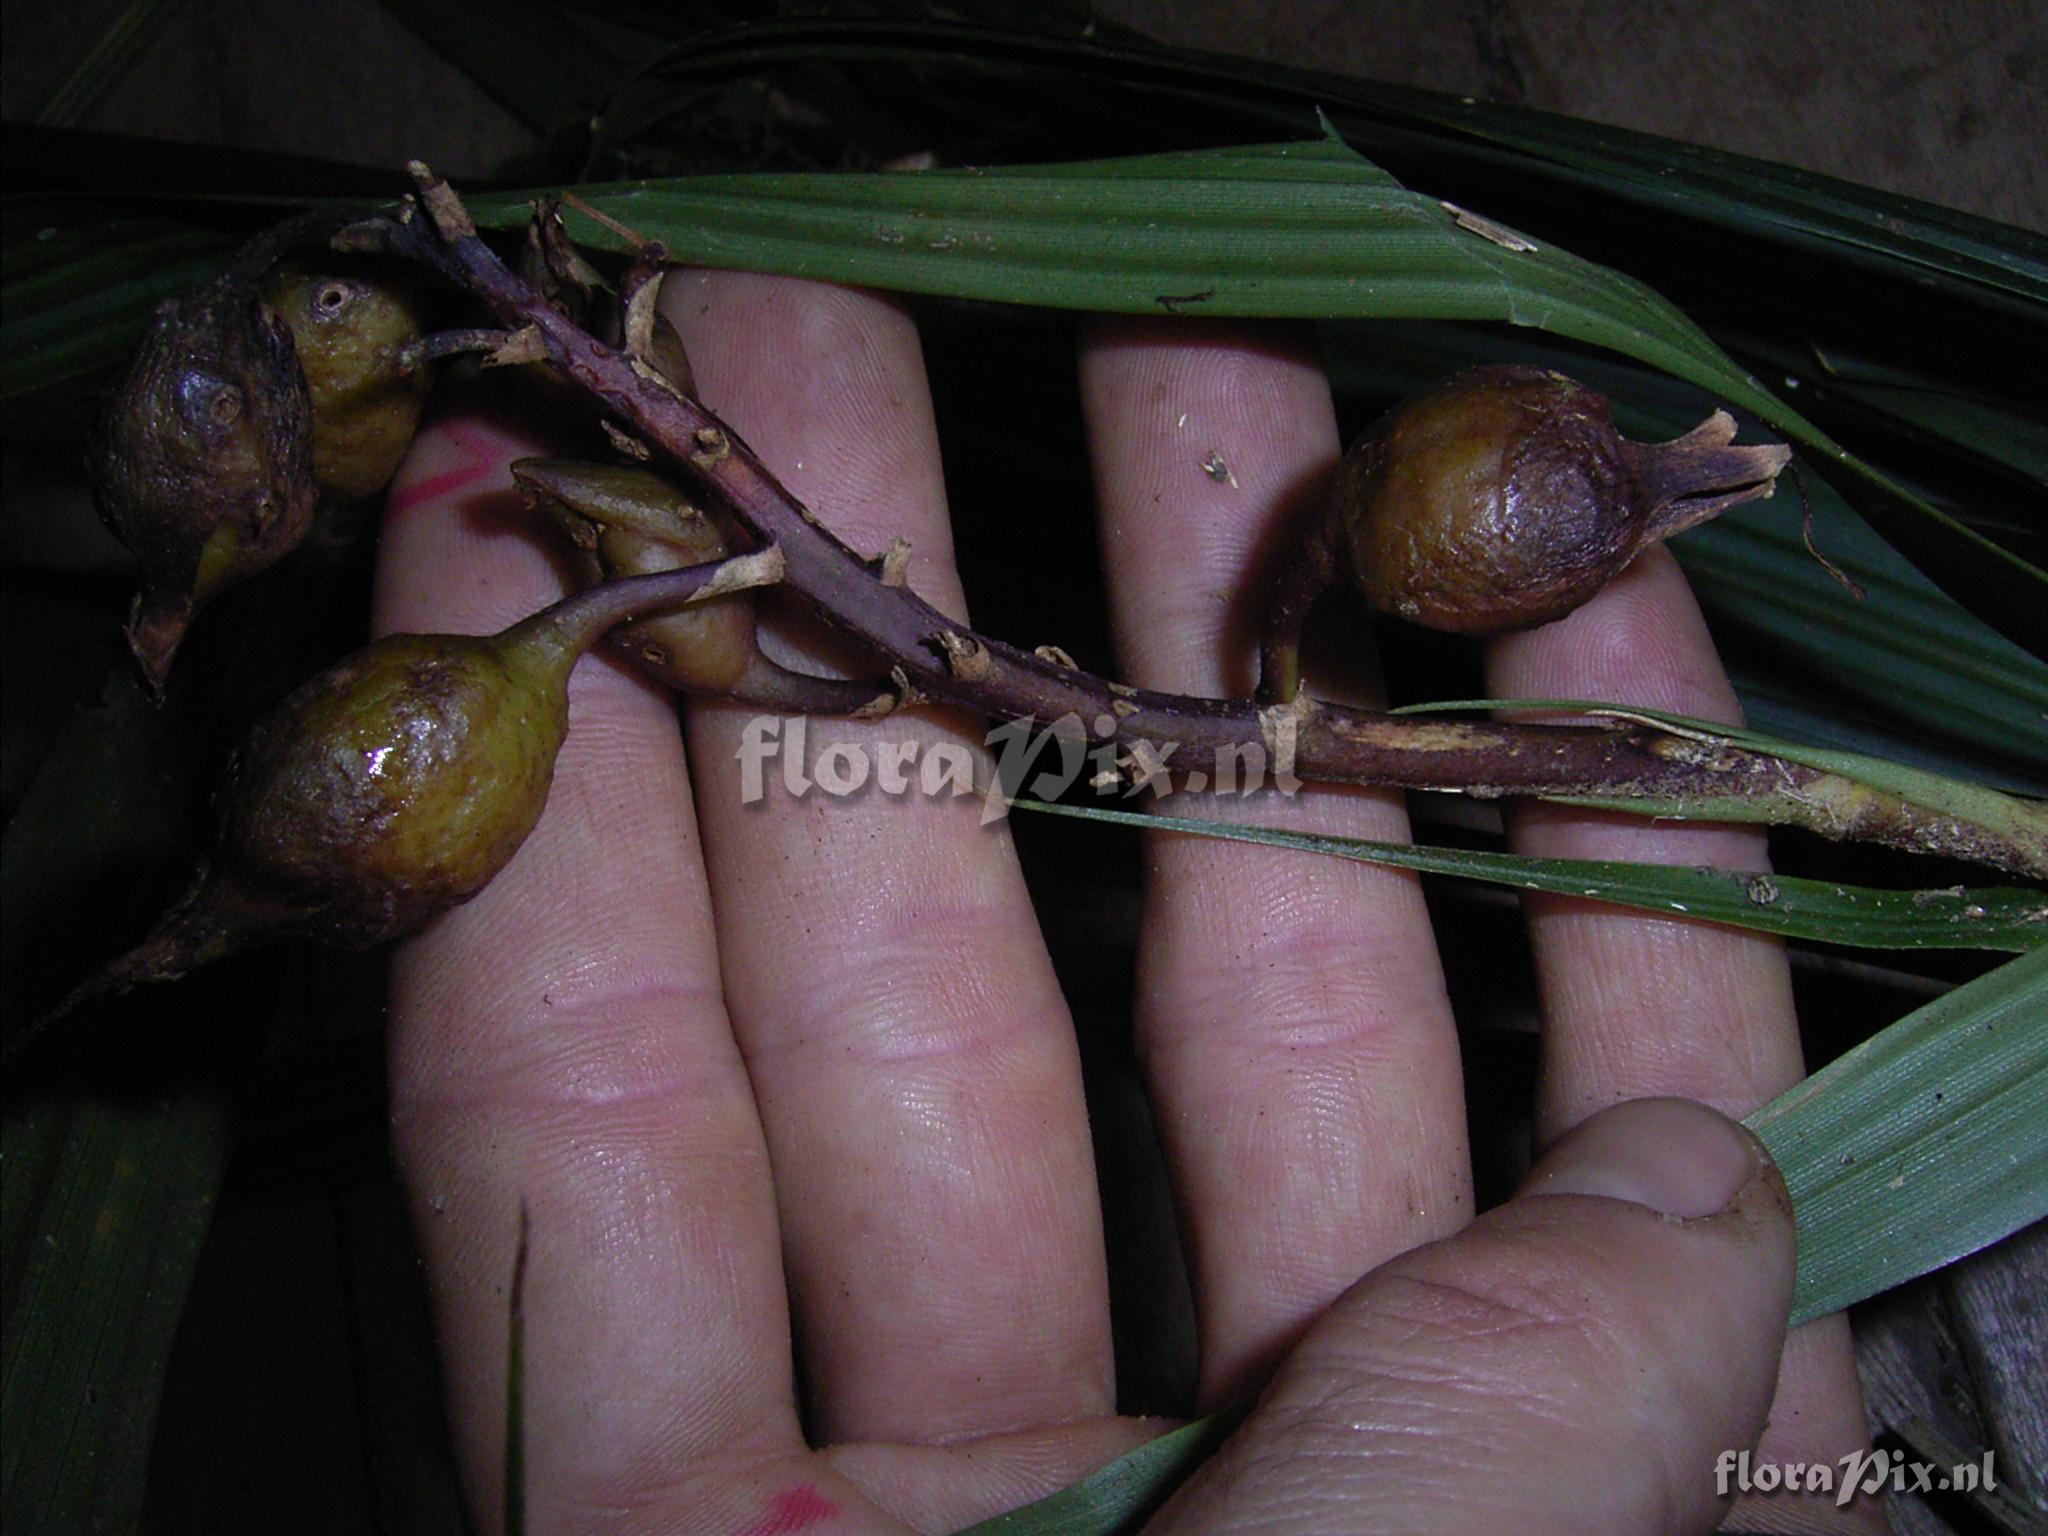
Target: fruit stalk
{"points": [[622, 520], [924, 651]]}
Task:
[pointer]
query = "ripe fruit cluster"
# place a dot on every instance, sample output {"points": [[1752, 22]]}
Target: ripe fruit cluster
{"points": [[397, 783]]}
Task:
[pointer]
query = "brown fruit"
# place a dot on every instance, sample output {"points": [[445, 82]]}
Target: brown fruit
{"points": [[389, 788], [394, 785], [201, 460], [385, 790], [1504, 498], [350, 321]]}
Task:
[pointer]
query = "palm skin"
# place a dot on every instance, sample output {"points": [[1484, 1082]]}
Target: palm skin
{"points": [[792, 1085]]}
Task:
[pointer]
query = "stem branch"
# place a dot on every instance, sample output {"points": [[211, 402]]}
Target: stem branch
{"points": [[948, 662]]}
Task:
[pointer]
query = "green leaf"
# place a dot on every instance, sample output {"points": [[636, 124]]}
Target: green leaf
{"points": [[1921, 1145], [1820, 910], [1815, 662], [514, 1468], [1924, 1144], [1122, 1495], [1559, 160], [77, 288], [105, 1201], [1282, 230], [107, 1176], [1995, 432], [1935, 248]]}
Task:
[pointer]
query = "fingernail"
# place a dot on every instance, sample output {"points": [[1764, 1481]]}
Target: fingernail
{"points": [[1672, 1155]]}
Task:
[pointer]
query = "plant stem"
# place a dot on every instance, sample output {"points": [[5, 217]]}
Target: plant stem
{"points": [[946, 661]]}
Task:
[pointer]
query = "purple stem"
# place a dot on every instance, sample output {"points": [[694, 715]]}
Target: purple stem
{"points": [[953, 664]]}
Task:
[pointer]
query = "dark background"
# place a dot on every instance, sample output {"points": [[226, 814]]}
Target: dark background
{"points": [[1945, 100]]}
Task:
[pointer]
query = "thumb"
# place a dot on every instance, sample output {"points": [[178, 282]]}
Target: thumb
{"points": [[1576, 1360]]}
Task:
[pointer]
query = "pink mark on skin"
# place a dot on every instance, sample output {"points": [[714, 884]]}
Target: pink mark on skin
{"points": [[475, 454], [794, 1509]]}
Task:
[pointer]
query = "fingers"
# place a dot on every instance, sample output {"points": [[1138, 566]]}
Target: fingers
{"points": [[1576, 1360], [560, 1043], [1291, 1012], [911, 1054], [1636, 1005]]}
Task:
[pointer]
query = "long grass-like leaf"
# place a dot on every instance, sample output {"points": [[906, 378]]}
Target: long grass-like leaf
{"points": [[1995, 432], [78, 287], [1900, 654], [514, 1497], [104, 1205], [106, 1190], [1923, 1144], [1120, 1496], [1935, 249], [1820, 910], [1303, 230]]}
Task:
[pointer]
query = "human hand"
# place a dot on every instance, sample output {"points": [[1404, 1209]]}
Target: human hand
{"points": [[789, 1088]]}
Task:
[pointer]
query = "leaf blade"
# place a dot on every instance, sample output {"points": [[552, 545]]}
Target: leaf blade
{"points": [[1118, 1497], [1923, 1144], [1124, 238], [1823, 911]]}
